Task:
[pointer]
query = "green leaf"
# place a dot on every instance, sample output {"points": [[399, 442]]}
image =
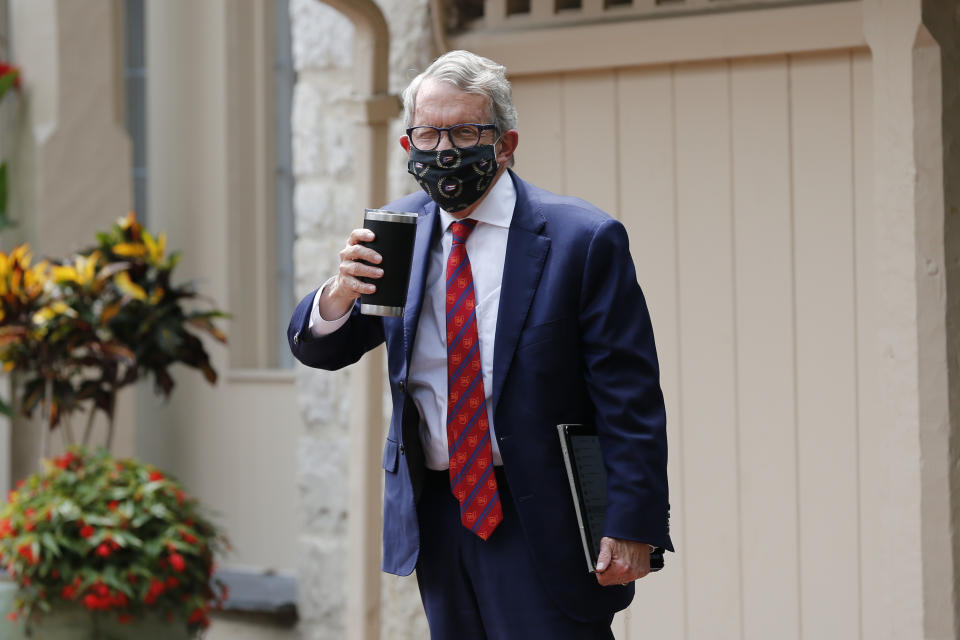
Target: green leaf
{"points": [[6, 83], [141, 520], [161, 512], [50, 544], [168, 340], [119, 493], [125, 539], [101, 521], [75, 546]]}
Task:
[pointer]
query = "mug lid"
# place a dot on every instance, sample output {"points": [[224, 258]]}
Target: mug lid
{"points": [[390, 216]]}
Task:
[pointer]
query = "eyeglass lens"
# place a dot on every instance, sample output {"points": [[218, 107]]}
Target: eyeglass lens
{"points": [[428, 138]]}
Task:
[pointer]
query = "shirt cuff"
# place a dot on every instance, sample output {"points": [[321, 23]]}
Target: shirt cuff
{"points": [[318, 326]]}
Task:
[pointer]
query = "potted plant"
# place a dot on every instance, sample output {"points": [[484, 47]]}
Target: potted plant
{"points": [[111, 545], [111, 539]]}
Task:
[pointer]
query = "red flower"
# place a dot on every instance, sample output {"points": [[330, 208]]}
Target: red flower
{"points": [[26, 550], [91, 601], [103, 550], [86, 531], [6, 529], [156, 476], [180, 496], [6, 69], [68, 593], [63, 462], [154, 591], [172, 583], [132, 578], [112, 505], [12, 616], [124, 618], [188, 538], [197, 615], [101, 590], [177, 562], [20, 483]]}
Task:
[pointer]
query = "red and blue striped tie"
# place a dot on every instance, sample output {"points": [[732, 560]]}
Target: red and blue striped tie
{"points": [[468, 430]]}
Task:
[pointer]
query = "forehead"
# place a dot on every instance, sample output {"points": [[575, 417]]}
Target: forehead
{"points": [[442, 104]]}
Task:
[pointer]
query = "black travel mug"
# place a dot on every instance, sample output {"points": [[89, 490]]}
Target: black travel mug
{"points": [[395, 235]]}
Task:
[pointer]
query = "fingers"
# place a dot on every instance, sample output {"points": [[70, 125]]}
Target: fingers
{"points": [[621, 562], [606, 551], [355, 250], [353, 259]]}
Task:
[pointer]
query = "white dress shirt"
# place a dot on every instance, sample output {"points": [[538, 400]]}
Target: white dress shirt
{"points": [[427, 372]]}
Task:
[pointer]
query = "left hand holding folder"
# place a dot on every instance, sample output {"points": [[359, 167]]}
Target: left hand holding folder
{"points": [[622, 561]]}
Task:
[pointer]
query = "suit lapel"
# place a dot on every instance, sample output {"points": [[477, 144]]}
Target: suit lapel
{"points": [[427, 227], [527, 251]]}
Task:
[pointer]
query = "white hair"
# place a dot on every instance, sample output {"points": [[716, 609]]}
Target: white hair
{"points": [[473, 74]]}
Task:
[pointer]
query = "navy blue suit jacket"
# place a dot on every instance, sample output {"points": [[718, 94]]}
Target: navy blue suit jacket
{"points": [[573, 345]]}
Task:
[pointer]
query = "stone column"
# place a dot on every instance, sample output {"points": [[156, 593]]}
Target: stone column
{"points": [[914, 47], [333, 178], [70, 173]]}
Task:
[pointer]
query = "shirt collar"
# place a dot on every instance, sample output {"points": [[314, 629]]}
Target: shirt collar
{"points": [[496, 209]]}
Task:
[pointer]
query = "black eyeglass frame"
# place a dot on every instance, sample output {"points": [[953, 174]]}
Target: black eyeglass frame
{"points": [[480, 129]]}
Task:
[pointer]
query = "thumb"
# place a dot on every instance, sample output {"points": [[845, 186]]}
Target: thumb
{"points": [[603, 561]]}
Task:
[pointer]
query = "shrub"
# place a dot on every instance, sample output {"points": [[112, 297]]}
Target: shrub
{"points": [[116, 537]]}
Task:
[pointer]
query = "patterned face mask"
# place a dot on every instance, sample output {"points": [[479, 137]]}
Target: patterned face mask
{"points": [[454, 178]]}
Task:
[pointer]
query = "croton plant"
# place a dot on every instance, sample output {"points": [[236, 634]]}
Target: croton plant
{"points": [[78, 330]]}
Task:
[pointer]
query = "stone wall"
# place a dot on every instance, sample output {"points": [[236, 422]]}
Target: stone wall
{"points": [[326, 209]]}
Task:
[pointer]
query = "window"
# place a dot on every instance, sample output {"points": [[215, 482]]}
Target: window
{"points": [[135, 84], [284, 80]]}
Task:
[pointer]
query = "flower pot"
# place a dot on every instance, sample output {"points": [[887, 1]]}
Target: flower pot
{"points": [[73, 622]]}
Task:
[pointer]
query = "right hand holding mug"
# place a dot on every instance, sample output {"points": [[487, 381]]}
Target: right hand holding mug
{"points": [[346, 286]]}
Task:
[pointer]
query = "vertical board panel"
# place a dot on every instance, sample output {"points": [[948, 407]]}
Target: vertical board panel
{"points": [[540, 154], [765, 364], [621, 625], [875, 578], [707, 351], [648, 205], [589, 105], [826, 346]]}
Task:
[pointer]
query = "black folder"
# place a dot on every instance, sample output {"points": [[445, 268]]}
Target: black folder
{"points": [[588, 486]]}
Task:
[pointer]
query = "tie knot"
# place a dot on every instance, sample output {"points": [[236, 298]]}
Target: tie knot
{"points": [[462, 229]]}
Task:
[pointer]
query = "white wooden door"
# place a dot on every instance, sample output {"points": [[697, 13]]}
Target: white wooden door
{"points": [[745, 186]]}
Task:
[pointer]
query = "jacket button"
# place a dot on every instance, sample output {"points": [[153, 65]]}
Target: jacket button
{"points": [[403, 387], [402, 450]]}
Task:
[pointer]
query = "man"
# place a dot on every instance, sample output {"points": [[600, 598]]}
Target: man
{"points": [[523, 312]]}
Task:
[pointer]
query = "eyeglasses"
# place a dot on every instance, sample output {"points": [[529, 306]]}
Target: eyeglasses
{"points": [[461, 136]]}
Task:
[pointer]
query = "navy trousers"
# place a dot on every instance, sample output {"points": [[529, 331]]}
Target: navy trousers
{"points": [[485, 590]]}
